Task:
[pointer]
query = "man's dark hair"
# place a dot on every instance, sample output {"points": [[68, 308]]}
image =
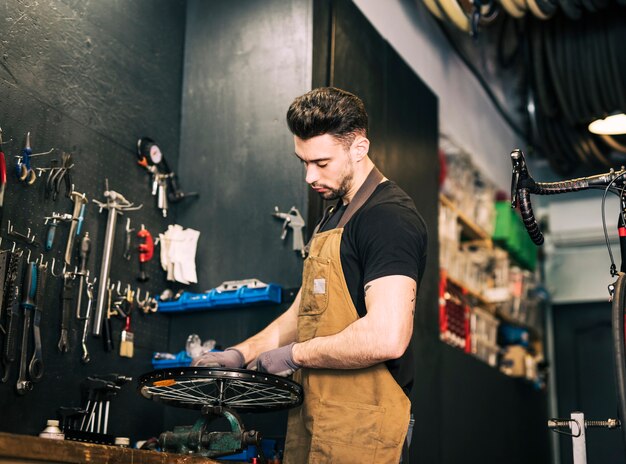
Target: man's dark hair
{"points": [[328, 110]]}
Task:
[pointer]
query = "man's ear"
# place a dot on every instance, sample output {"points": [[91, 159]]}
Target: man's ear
{"points": [[360, 147]]}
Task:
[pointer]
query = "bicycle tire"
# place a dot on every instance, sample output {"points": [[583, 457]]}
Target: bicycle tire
{"points": [[512, 9], [619, 355], [613, 143], [237, 389], [433, 7], [554, 68], [546, 100], [597, 151]]}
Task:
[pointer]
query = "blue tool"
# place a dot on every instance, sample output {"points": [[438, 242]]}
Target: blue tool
{"points": [[54, 222], [22, 169]]}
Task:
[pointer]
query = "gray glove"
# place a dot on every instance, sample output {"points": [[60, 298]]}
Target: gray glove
{"points": [[279, 361], [231, 357]]}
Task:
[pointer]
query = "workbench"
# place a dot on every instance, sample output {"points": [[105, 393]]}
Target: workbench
{"points": [[24, 449]]}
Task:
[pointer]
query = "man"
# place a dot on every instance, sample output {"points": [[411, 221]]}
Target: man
{"points": [[346, 336]]}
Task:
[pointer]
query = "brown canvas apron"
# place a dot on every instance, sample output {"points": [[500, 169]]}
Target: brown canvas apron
{"points": [[348, 416]]}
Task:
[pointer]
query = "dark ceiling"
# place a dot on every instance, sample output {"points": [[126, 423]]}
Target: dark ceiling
{"points": [[566, 67]]}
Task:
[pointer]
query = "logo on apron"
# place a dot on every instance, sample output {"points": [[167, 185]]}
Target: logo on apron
{"points": [[319, 286]]}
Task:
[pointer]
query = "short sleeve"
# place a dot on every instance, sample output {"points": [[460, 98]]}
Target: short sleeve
{"points": [[391, 240]]}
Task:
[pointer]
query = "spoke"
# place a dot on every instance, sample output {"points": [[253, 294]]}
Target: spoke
{"points": [[228, 391]]}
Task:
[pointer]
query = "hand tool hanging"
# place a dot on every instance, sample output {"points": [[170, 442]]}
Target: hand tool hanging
{"points": [[85, 358], [5, 256], [110, 312], [25, 173], [80, 200], [28, 305], [116, 204], [58, 174], [3, 176], [13, 310], [35, 368], [127, 336], [85, 249], [52, 227], [67, 296], [293, 219], [151, 158], [129, 240], [146, 251]]}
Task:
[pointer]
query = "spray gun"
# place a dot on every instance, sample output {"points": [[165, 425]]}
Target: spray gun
{"points": [[294, 220]]}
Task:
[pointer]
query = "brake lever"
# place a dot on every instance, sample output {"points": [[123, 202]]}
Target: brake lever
{"points": [[514, 182], [519, 168]]}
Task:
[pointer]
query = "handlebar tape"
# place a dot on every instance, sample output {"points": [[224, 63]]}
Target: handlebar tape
{"points": [[528, 216], [524, 185]]}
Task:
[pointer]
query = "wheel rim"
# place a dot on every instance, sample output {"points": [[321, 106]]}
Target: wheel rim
{"points": [[237, 389]]}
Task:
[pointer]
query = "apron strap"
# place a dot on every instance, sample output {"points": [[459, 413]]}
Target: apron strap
{"points": [[328, 212], [361, 196]]}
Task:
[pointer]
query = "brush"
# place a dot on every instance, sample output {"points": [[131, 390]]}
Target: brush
{"points": [[126, 344]]}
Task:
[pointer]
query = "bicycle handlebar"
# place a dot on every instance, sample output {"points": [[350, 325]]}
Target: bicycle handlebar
{"points": [[522, 185]]}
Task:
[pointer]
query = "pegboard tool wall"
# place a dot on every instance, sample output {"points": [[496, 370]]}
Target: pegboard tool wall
{"points": [[89, 78]]}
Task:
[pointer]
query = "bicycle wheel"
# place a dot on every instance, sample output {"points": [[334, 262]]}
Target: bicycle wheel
{"points": [[236, 389], [618, 309]]}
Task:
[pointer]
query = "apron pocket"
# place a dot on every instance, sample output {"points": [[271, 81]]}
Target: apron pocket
{"points": [[353, 424], [314, 298]]}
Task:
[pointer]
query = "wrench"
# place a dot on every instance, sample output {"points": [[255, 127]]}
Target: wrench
{"points": [[66, 296], [90, 285], [85, 248], [28, 304], [5, 256], [35, 368], [13, 307]]}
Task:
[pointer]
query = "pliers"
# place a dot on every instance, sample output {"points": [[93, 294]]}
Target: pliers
{"points": [[57, 175]]}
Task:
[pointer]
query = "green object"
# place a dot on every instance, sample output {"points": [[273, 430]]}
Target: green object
{"points": [[196, 439], [510, 234]]}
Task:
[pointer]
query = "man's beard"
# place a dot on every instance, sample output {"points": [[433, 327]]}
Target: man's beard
{"points": [[344, 187]]}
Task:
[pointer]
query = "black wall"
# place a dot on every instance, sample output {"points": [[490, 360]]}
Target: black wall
{"points": [[89, 78], [245, 61], [585, 376]]}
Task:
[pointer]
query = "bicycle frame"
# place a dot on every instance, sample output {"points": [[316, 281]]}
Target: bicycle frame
{"points": [[522, 186]]}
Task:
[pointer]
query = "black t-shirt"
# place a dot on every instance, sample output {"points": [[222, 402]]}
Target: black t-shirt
{"points": [[386, 236]]}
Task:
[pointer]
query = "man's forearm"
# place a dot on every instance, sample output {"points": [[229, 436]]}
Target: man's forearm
{"points": [[280, 332], [359, 345], [382, 334]]}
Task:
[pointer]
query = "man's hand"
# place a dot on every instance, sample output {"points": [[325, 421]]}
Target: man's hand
{"points": [[279, 361], [231, 357]]}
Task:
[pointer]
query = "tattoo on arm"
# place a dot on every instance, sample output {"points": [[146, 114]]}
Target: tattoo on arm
{"points": [[367, 287]]}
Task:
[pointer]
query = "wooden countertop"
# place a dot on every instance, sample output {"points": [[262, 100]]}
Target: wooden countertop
{"points": [[24, 449]]}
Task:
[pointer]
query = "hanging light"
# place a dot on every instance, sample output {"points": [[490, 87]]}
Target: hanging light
{"points": [[614, 124]]}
